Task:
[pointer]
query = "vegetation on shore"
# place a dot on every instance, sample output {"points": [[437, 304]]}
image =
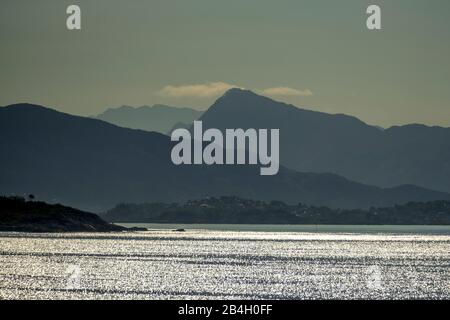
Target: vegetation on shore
{"points": [[17, 214], [234, 210]]}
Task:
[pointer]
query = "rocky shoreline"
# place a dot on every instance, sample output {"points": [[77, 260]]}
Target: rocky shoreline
{"points": [[19, 215]]}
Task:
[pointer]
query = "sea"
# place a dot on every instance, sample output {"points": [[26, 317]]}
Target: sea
{"points": [[229, 262]]}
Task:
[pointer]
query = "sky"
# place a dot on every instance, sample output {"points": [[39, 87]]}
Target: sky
{"points": [[315, 54]]}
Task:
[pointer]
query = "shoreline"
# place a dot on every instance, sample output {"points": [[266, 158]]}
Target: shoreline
{"points": [[325, 228]]}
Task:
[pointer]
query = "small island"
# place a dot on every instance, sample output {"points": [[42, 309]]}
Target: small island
{"points": [[19, 215]]}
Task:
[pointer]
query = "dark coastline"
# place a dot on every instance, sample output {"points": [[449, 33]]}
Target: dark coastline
{"points": [[18, 215]]}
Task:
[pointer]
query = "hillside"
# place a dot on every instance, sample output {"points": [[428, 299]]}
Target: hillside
{"points": [[93, 165], [233, 210], [16, 214], [319, 142]]}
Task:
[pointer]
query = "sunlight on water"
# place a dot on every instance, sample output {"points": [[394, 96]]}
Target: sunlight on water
{"points": [[200, 264]]}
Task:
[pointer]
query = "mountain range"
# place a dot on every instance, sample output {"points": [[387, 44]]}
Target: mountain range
{"points": [[159, 118], [93, 165], [313, 141]]}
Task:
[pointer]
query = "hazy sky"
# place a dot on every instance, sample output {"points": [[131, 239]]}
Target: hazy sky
{"points": [[315, 54]]}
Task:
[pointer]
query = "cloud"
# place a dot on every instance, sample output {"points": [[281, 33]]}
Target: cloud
{"points": [[287, 92], [207, 90], [215, 89]]}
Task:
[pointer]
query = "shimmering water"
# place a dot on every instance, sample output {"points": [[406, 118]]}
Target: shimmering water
{"points": [[201, 264]]}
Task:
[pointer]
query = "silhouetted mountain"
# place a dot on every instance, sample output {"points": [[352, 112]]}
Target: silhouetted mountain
{"points": [[318, 142], [159, 118], [91, 164]]}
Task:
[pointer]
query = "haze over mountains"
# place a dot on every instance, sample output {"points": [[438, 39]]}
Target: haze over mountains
{"points": [[94, 165], [159, 118], [318, 142]]}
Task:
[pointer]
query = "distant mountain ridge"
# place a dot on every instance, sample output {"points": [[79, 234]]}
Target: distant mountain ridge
{"points": [[159, 118], [94, 165], [312, 141]]}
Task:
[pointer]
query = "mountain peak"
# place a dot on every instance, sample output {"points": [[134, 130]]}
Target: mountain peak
{"points": [[25, 106], [238, 92], [259, 106], [243, 98], [158, 117]]}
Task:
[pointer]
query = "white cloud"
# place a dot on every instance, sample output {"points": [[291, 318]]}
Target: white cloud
{"points": [[287, 92], [207, 90]]}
